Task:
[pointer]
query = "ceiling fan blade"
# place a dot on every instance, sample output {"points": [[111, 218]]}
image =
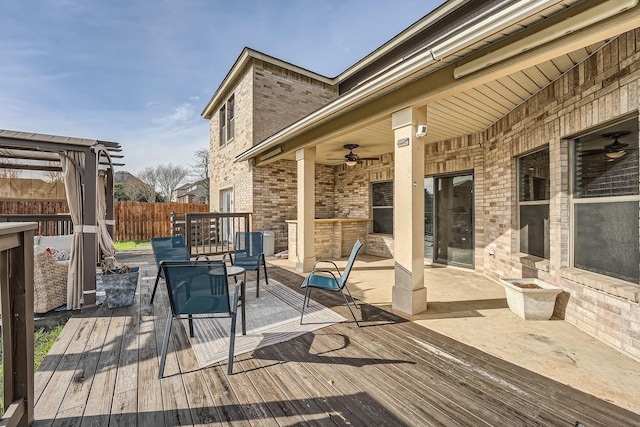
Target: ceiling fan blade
{"points": [[368, 158], [592, 152]]}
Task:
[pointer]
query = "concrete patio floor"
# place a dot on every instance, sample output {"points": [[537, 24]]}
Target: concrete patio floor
{"points": [[472, 309]]}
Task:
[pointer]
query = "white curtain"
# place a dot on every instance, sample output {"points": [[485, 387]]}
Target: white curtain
{"points": [[70, 162], [104, 238]]}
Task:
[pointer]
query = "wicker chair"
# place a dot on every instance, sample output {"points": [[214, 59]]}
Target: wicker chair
{"points": [[49, 282]]}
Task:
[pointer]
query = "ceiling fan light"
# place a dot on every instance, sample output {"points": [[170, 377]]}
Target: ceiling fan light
{"points": [[616, 154], [351, 162]]}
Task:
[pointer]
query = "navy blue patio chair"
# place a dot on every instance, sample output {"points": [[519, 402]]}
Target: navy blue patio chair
{"points": [[249, 254], [201, 289], [331, 280], [172, 248]]}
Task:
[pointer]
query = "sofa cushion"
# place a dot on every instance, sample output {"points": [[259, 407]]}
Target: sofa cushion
{"points": [[62, 243]]}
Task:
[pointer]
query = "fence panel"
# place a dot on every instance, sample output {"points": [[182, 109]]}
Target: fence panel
{"points": [[133, 220], [141, 221], [210, 233]]}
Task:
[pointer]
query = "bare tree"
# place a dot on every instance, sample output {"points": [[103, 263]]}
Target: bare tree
{"points": [[146, 191], [9, 173], [169, 177], [200, 169]]}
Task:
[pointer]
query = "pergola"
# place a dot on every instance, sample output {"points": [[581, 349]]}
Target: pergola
{"points": [[87, 168]]}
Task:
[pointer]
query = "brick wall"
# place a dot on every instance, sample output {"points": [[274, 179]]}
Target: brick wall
{"points": [[267, 99], [281, 97], [224, 173], [596, 93]]}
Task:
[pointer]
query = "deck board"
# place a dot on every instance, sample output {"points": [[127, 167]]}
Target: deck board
{"points": [[103, 371]]}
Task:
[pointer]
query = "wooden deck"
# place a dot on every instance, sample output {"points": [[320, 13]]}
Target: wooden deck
{"points": [[103, 371]]}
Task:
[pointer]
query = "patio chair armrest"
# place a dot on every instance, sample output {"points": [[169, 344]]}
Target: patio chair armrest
{"points": [[327, 262]]}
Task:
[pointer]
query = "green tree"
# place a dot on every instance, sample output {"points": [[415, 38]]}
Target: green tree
{"points": [[118, 192]]}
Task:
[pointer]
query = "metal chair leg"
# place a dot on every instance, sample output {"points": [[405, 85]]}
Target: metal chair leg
{"points": [[349, 307], [232, 343], [304, 302], [155, 286], [351, 296], [165, 345], [264, 266], [258, 281]]}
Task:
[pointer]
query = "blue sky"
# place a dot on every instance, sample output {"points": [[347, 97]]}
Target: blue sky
{"points": [[141, 72]]}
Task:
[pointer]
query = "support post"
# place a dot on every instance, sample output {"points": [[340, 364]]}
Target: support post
{"points": [[89, 221], [306, 159], [409, 294]]}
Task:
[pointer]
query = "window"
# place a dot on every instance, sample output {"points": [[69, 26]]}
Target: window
{"points": [[227, 117], [231, 118], [223, 125], [382, 207], [605, 201], [533, 203]]}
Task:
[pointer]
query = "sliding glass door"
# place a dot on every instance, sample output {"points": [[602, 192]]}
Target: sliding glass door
{"points": [[449, 220]]}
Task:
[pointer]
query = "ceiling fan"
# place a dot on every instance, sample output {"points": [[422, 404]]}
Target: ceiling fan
{"points": [[351, 158], [615, 150]]}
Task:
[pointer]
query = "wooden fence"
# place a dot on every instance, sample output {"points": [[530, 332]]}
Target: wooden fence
{"points": [[133, 220], [141, 221]]}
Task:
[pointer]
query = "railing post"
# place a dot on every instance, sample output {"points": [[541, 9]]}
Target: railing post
{"points": [[187, 232], [16, 293]]}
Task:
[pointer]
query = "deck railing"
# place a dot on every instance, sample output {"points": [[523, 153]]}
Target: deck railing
{"points": [[209, 233], [16, 297], [48, 224]]}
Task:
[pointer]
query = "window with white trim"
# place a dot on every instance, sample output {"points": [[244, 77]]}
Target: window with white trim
{"points": [[605, 201], [227, 116], [533, 203], [223, 125]]}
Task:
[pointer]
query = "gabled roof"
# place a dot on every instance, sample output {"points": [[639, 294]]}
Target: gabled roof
{"points": [[236, 71]]}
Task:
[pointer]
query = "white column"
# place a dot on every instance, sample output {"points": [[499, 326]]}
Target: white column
{"points": [[306, 162], [409, 294]]}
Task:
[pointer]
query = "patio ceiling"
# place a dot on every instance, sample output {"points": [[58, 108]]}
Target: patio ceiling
{"points": [[465, 87], [465, 113]]}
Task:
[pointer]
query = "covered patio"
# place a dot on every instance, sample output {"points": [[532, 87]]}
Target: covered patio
{"points": [[393, 371]]}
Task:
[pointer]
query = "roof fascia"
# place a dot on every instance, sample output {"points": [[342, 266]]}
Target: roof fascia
{"points": [[416, 28], [244, 59], [408, 68]]}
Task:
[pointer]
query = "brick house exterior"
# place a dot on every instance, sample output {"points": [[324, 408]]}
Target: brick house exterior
{"points": [[269, 95], [595, 94]]}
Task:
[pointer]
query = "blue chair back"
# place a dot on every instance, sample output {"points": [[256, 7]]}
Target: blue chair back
{"points": [[248, 247], [170, 248], [352, 258], [197, 287]]}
